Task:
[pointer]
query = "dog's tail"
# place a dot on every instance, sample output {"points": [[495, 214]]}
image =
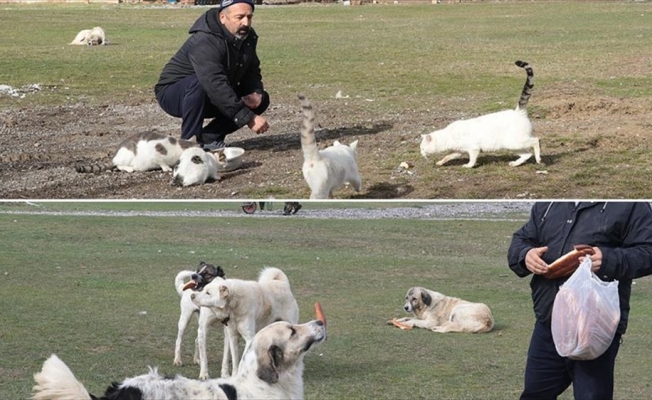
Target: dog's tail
{"points": [[180, 280], [57, 382], [272, 274]]}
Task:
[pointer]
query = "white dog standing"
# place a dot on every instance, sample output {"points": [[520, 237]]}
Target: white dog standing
{"points": [[205, 274], [246, 307], [90, 37], [441, 313]]}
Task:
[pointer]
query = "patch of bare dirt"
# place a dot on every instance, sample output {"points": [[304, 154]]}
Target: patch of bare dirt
{"points": [[40, 147]]}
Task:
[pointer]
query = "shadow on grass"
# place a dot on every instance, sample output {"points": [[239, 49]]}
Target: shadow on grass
{"points": [[385, 190], [319, 368], [290, 141], [244, 169], [505, 159]]}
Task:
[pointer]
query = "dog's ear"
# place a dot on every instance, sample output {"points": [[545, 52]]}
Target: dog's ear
{"points": [[220, 272], [426, 298], [224, 292], [268, 364]]}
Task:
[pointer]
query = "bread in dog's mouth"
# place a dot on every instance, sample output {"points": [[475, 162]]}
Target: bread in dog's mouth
{"points": [[319, 313], [190, 285]]}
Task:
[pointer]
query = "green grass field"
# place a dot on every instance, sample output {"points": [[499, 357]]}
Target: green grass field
{"points": [[98, 291], [406, 56]]}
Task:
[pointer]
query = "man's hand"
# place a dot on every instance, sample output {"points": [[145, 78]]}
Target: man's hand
{"points": [[258, 124], [596, 259], [253, 100], [533, 260]]}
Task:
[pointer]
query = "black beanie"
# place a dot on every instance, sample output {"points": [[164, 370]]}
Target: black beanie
{"points": [[225, 3]]}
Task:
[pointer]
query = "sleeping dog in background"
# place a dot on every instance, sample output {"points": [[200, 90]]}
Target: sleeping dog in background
{"points": [[441, 313], [90, 37], [272, 368], [204, 275]]}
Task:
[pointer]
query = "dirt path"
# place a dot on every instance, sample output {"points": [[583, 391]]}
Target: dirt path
{"points": [[40, 147]]}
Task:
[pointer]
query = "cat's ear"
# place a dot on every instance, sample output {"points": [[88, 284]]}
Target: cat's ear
{"points": [[354, 145]]}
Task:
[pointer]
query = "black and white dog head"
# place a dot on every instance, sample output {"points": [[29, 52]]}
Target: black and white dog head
{"points": [[203, 276]]}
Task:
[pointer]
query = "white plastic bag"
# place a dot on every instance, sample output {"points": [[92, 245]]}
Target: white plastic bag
{"points": [[585, 315]]}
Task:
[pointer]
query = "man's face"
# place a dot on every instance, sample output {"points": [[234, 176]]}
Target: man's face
{"points": [[237, 19]]}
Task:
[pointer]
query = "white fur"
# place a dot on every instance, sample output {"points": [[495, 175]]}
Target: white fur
{"points": [[197, 166], [147, 157], [90, 37], [333, 168], [250, 306], [56, 381], [503, 130], [272, 368], [206, 318]]}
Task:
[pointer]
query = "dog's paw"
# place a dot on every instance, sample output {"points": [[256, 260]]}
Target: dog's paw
{"points": [[203, 376], [177, 363]]}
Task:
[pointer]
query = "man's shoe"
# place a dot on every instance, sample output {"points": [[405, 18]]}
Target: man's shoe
{"points": [[216, 145]]}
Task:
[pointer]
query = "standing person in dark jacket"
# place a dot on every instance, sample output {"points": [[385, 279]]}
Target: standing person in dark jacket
{"points": [[621, 236], [216, 74]]}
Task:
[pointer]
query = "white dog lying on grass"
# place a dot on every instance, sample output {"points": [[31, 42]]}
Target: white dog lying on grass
{"points": [[90, 37]]}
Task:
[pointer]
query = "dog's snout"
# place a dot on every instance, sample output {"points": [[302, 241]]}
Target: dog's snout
{"points": [[405, 307], [194, 277], [320, 323]]}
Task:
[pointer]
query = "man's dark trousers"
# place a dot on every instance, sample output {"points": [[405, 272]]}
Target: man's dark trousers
{"points": [[186, 99], [547, 374]]}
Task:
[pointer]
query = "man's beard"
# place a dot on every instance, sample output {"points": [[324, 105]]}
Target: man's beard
{"points": [[242, 33]]}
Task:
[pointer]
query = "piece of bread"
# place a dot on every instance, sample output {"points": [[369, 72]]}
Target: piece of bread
{"points": [[567, 264], [319, 313], [189, 285], [401, 325]]}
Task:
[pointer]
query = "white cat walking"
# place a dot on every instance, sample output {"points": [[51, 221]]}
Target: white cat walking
{"points": [[502, 130], [328, 169]]}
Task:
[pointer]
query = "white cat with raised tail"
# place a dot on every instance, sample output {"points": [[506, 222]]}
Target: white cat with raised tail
{"points": [[328, 169], [502, 130]]}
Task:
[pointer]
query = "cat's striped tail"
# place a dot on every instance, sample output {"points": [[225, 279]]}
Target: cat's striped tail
{"points": [[529, 84], [93, 168], [308, 138]]}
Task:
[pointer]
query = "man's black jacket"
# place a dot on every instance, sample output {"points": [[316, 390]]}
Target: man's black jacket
{"points": [[227, 67], [622, 231]]}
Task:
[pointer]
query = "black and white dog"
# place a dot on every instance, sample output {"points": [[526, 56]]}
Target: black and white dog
{"points": [[204, 275], [272, 368]]}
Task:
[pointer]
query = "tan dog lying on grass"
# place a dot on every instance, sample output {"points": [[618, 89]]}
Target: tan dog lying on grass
{"points": [[441, 313], [90, 37]]}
